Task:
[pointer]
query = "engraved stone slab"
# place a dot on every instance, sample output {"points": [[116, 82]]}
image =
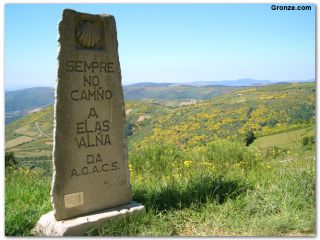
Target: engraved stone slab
{"points": [[49, 226], [90, 152]]}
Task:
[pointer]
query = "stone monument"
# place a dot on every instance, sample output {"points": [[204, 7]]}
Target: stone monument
{"points": [[91, 181]]}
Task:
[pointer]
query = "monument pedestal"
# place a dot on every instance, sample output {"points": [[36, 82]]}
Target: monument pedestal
{"points": [[49, 226]]}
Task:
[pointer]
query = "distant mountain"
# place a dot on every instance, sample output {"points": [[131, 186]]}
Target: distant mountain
{"points": [[149, 84], [233, 83], [20, 102], [280, 83], [296, 81], [174, 92], [242, 82], [308, 80], [28, 98]]}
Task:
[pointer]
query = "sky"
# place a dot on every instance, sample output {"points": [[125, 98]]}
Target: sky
{"points": [[170, 42]]}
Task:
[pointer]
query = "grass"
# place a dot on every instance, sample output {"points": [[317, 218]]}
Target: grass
{"points": [[221, 189], [285, 138], [270, 199], [27, 198], [18, 141]]}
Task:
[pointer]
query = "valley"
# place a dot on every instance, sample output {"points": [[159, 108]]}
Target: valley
{"points": [[190, 166]]}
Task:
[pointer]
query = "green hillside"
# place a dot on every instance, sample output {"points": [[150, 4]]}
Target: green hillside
{"points": [[189, 165], [137, 92], [265, 110]]}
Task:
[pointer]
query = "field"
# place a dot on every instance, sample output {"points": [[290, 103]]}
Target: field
{"points": [[190, 166], [284, 138]]}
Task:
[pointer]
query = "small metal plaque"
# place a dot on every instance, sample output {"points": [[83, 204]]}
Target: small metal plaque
{"points": [[73, 200]]}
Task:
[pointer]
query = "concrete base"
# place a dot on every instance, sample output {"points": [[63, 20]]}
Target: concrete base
{"points": [[49, 226]]}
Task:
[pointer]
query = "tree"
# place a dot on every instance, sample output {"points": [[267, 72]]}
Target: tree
{"points": [[305, 141], [10, 160], [129, 129], [248, 115], [249, 137], [308, 141]]}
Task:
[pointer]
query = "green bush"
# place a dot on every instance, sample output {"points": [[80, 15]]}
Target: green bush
{"points": [[155, 159], [305, 141], [10, 161], [312, 139], [222, 153], [308, 141], [275, 152], [249, 137]]}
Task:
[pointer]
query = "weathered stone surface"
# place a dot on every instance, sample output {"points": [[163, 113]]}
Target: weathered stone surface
{"points": [[49, 226], [90, 152]]}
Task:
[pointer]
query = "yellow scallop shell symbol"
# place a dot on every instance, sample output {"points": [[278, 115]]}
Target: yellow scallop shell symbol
{"points": [[87, 34]]}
